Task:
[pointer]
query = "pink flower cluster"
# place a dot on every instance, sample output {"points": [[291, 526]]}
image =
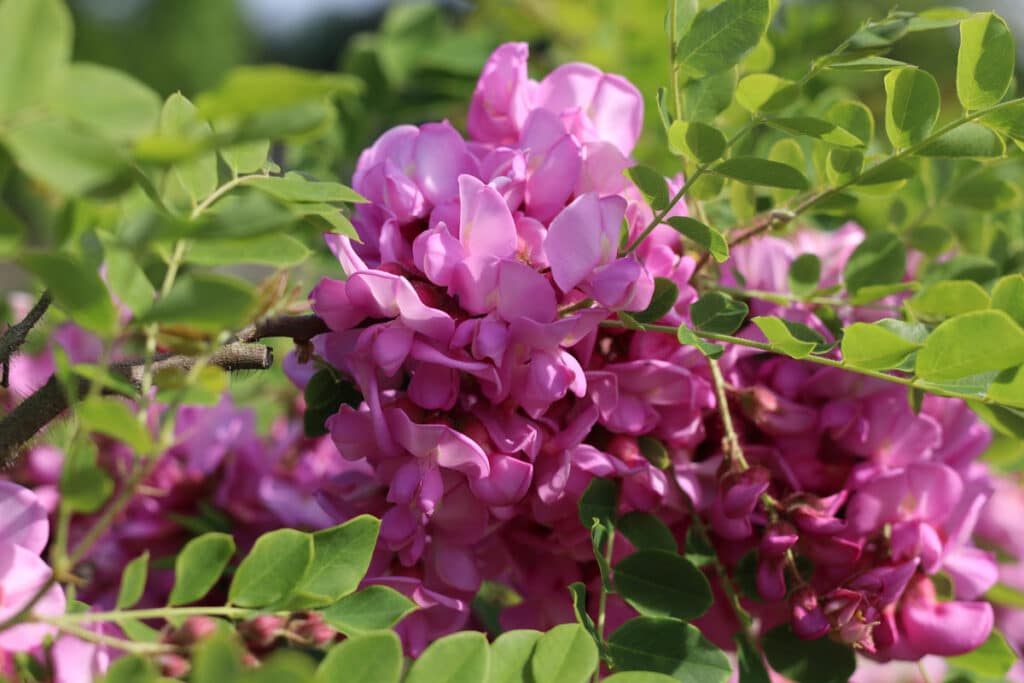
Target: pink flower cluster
{"points": [[470, 319]]}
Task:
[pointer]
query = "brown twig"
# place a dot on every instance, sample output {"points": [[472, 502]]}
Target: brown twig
{"points": [[300, 328], [15, 335], [49, 401]]}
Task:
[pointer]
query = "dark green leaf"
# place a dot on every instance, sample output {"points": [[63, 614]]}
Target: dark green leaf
{"points": [[294, 188], [826, 131], [970, 344], [751, 662], [808, 661], [578, 591], [647, 532], [658, 583], [666, 293], [854, 117], [84, 487], [890, 171], [131, 669], [804, 274], [705, 98], [697, 141], [133, 582], [459, 658], [721, 36], [704, 235], [911, 107], [930, 239], [273, 568], [599, 501], [654, 451], [970, 140], [668, 646], [984, 67], [374, 608], [199, 565], [879, 260], [755, 171], [367, 658], [651, 185], [719, 313], [766, 93], [216, 659], [565, 654]]}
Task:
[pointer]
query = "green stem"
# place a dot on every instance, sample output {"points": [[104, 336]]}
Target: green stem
{"points": [[731, 442], [110, 641], [784, 298], [602, 601]]}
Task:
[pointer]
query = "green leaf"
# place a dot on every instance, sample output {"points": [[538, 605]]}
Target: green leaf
{"points": [[854, 117], [704, 235], [133, 582], [374, 608], [658, 583], [687, 337], [697, 141], [654, 451], [721, 36], [367, 658], [668, 646], [751, 662], [1008, 387], [578, 591], [76, 287], [755, 171], [282, 666], [273, 568], [108, 101], [647, 532], [804, 274], [67, 159], [204, 300], [766, 93], [930, 239], [459, 658], [565, 654], [181, 118], [84, 487], [246, 157], [639, 677], [1001, 594], [1007, 119], [279, 250], [341, 556], [985, 62], [718, 312], [992, 659], [35, 47], [1008, 296], [819, 129], [808, 661], [911, 106], [868, 64], [216, 659], [666, 293], [110, 416], [651, 185], [510, 656], [970, 140], [131, 669], [875, 347], [985, 193], [937, 17], [199, 565], [705, 98], [242, 216], [844, 165], [880, 259], [599, 501], [970, 344], [127, 280], [887, 172], [947, 298], [266, 88], [793, 339], [699, 550], [294, 188]]}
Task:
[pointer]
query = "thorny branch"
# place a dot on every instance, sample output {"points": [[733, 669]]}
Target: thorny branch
{"points": [[15, 335], [50, 400]]}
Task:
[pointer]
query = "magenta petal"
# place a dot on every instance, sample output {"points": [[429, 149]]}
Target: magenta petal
{"points": [[434, 387], [498, 104], [23, 519], [440, 157], [486, 227], [583, 236], [330, 301], [524, 293], [448, 447], [507, 483], [22, 573], [808, 620], [946, 628]]}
